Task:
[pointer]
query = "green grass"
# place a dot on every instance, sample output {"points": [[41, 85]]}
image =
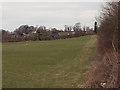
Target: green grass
{"points": [[47, 64]]}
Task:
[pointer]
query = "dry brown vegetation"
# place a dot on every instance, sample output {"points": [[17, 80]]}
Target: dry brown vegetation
{"points": [[104, 71]]}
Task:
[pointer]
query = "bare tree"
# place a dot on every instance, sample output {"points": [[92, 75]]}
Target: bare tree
{"points": [[68, 28]]}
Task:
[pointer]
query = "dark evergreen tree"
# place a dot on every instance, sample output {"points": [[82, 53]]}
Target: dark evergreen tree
{"points": [[95, 27]]}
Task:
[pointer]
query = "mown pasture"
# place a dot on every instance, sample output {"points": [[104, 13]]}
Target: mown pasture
{"points": [[47, 64]]}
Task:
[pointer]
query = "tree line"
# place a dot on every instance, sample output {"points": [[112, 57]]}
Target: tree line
{"points": [[33, 33]]}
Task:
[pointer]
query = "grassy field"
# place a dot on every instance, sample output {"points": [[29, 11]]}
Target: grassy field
{"points": [[47, 64]]}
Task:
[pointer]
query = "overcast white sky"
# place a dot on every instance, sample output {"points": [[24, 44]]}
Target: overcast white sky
{"points": [[50, 14]]}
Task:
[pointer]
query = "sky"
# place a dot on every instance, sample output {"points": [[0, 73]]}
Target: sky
{"points": [[50, 14]]}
